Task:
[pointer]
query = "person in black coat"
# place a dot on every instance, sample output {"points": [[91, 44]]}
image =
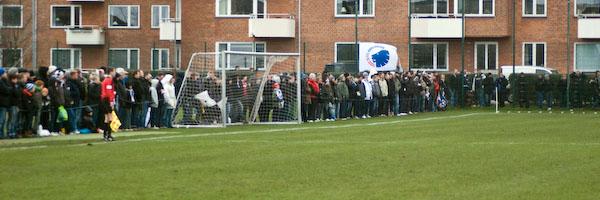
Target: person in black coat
{"points": [[139, 91], [73, 101], [523, 91], [353, 96], [267, 100], [5, 100], [501, 84], [161, 98], [93, 97], [488, 88], [15, 101], [562, 91], [392, 93], [405, 94]]}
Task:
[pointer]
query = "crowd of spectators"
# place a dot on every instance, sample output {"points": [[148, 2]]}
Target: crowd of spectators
{"points": [[54, 101]]}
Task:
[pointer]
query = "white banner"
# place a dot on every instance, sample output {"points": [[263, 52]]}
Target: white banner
{"points": [[380, 57]]}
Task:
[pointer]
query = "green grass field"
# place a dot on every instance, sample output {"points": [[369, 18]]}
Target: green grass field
{"points": [[453, 155]]}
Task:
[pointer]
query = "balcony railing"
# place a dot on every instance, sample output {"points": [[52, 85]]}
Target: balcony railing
{"points": [[436, 26], [587, 27], [272, 26], [85, 35], [170, 29]]}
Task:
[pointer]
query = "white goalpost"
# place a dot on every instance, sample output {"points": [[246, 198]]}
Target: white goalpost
{"points": [[234, 88]]}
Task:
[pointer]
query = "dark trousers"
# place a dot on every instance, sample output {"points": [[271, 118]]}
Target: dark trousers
{"points": [[312, 111], [384, 104]]}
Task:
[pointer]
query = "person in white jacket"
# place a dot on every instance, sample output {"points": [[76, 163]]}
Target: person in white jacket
{"points": [[154, 110], [170, 99]]}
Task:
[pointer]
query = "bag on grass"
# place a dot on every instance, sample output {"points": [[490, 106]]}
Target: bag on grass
{"points": [[115, 123], [63, 116]]}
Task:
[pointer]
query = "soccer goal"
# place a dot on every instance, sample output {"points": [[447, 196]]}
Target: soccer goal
{"points": [[234, 88]]}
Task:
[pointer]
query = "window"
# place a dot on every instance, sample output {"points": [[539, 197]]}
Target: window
{"points": [[347, 8], [159, 12], [486, 56], [345, 52], [124, 16], [430, 56], [160, 58], [587, 57], [534, 54], [534, 8], [241, 8], [241, 61], [123, 58], [11, 57], [66, 58], [64, 16], [429, 7], [587, 7], [475, 7], [12, 16]]}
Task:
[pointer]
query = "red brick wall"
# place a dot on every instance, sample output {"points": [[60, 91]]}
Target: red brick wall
{"points": [[320, 30]]}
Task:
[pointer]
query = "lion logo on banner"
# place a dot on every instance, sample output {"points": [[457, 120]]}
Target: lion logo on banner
{"points": [[378, 57]]}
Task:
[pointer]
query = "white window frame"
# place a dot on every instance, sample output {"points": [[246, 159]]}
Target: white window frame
{"points": [[435, 68], [360, 10], [72, 15], [2, 10], [128, 17], [335, 47], [20, 58], [587, 15], [480, 10], [575, 55], [229, 15], [129, 56], [160, 52], [487, 67], [435, 14], [72, 61], [535, 9], [160, 7], [228, 67], [534, 53]]}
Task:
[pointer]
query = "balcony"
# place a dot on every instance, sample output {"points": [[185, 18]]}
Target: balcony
{"points": [[85, 35], [587, 28], [272, 26], [170, 29], [437, 27]]}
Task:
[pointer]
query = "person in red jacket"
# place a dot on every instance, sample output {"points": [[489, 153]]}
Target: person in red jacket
{"points": [[314, 91], [107, 102]]}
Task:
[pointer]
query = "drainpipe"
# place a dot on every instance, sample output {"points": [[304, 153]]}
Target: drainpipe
{"points": [[177, 45], [568, 54], [409, 35], [356, 47], [298, 77], [34, 34]]}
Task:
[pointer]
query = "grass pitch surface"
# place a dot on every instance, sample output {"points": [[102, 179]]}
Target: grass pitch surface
{"points": [[453, 155]]}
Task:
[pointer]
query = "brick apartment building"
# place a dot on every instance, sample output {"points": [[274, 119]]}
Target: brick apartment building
{"points": [[127, 33]]}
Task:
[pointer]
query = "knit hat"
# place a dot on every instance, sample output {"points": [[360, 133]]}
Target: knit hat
{"points": [[51, 69], [13, 71], [29, 86], [121, 71]]}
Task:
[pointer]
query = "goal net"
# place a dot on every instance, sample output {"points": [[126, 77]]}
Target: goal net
{"points": [[231, 88]]}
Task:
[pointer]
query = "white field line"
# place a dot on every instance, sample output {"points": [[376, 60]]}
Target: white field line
{"points": [[285, 130], [410, 142], [288, 130]]}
